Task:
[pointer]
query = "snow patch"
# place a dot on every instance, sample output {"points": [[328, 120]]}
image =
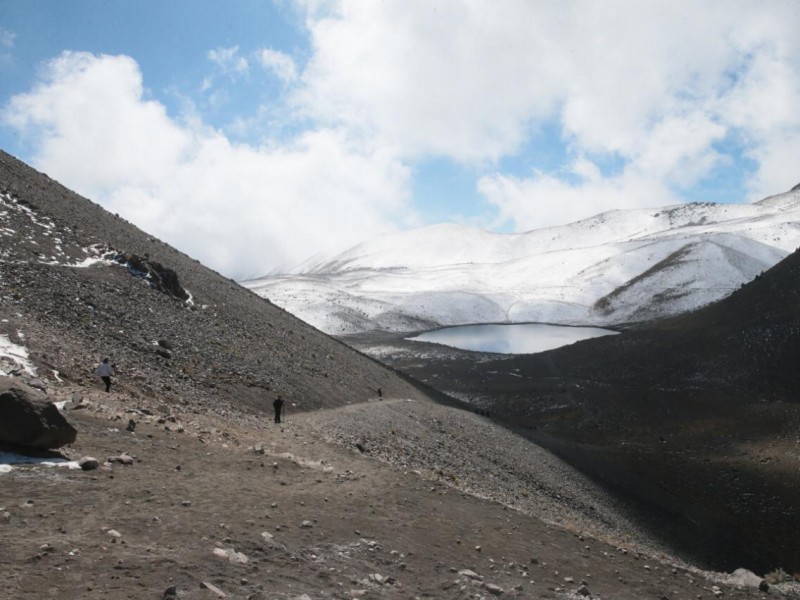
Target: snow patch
{"points": [[10, 460], [14, 355]]}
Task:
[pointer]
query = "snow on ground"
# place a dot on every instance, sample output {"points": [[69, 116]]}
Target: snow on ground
{"points": [[14, 356], [611, 268], [10, 460]]}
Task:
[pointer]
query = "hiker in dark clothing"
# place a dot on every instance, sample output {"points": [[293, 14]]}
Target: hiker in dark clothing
{"points": [[105, 371], [278, 406], [380, 393]]}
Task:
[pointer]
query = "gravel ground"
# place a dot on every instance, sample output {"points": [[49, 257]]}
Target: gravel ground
{"points": [[477, 456]]}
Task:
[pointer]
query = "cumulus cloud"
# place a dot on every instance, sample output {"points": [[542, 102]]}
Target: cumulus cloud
{"points": [[239, 209], [279, 63], [544, 200], [228, 60], [648, 98], [456, 79], [678, 151], [7, 39], [474, 81]]}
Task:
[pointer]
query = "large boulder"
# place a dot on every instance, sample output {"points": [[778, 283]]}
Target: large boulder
{"points": [[27, 418]]}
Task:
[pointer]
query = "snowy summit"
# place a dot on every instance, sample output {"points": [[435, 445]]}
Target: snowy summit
{"points": [[616, 267]]}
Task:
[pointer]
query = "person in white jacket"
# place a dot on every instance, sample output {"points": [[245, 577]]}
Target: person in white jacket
{"points": [[105, 371]]}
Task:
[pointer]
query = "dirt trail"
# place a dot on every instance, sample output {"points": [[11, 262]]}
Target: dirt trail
{"points": [[203, 506]]}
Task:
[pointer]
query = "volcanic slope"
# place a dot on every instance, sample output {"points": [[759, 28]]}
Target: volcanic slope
{"points": [[78, 283], [695, 415], [218, 502]]}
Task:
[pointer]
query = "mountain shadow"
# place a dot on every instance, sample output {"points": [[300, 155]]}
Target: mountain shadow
{"points": [[693, 418]]}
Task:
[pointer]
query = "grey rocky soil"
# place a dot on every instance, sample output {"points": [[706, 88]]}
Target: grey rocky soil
{"points": [[242, 508]]}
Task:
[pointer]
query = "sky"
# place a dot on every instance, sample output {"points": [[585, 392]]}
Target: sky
{"points": [[255, 134]]}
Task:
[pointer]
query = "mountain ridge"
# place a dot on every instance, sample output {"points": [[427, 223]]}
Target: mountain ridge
{"points": [[449, 274]]}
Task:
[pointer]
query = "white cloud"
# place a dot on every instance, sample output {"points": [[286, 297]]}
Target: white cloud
{"points": [[228, 60], [7, 38], [451, 78], [665, 91], [545, 200], [474, 80], [762, 106], [90, 120], [279, 63], [678, 151], [239, 209]]}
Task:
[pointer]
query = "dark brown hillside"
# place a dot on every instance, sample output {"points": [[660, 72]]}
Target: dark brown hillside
{"points": [[694, 418], [748, 342], [224, 344]]}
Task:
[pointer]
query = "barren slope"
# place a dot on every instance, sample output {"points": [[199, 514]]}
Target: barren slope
{"points": [[203, 513], [224, 345]]}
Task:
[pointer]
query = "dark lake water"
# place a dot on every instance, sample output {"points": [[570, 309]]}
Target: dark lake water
{"points": [[518, 338]]}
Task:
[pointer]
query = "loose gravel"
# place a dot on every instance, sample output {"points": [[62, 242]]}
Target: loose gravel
{"points": [[475, 455]]}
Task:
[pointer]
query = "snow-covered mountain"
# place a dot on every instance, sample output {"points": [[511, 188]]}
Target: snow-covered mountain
{"points": [[619, 266]]}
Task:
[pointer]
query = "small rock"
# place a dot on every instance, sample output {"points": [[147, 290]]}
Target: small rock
{"points": [[237, 558], [131, 425], [494, 590], [584, 591], [306, 524], [214, 589], [5, 517], [89, 463], [113, 533], [123, 459], [186, 503], [170, 592], [470, 574]]}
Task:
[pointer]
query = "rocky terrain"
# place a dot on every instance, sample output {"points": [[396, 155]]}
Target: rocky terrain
{"points": [[242, 508], [79, 284], [178, 485], [695, 417]]}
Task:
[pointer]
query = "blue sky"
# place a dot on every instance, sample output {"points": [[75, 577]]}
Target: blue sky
{"points": [[253, 135]]}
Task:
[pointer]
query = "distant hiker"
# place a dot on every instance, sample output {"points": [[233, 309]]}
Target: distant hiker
{"points": [[105, 371], [278, 406], [380, 393]]}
